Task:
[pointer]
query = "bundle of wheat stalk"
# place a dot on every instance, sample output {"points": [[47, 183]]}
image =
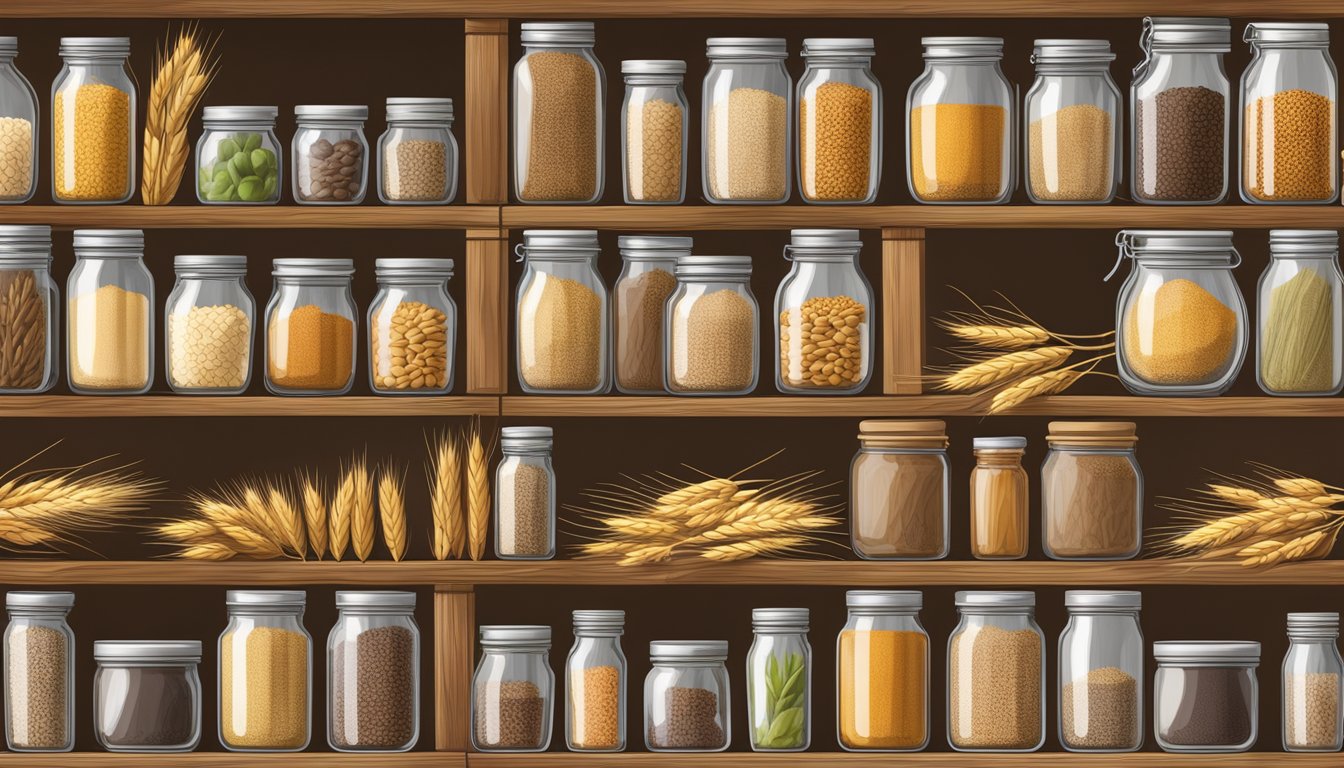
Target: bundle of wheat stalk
{"points": [[444, 471], [183, 69], [47, 509]]}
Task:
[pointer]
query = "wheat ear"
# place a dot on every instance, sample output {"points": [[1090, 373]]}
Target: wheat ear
{"points": [[1306, 547], [342, 510], [740, 550], [392, 512], [1005, 337], [314, 514], [180, 80], [361, 517], [1040, 385], [445, 491], [478, 492], [209, 550], [288, 519], [1002, 368]]}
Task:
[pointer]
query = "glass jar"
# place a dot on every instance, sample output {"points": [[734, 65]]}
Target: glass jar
{"points": [[1180, 324], [18, 128], [1206, 697], [265, 673], [822, 311], [373, 673], [961, 130], [562, 314], [712, 328], [310, 328], [654, 127], [417, 154], [996, 674], [1073, 123], [412, 328], [595, 681], [110, 297], [746, 113], [882, 673], [93, 108], [639, 300], [1091, 491], [210, 316], [1290, 142], [1000, 499], [330, 155], [1300, 328], [559, 93], [686, 697], [779, 680], [1313, 720], [238, 157], [839, 122], [1179, 112], [899, 491], [29, 297], [39, 672], [147, 695], [525, 495], [513, 704], [1101, 672]]}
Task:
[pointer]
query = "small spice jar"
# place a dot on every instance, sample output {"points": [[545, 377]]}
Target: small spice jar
{"points": [[1313, 684], [210, 316], [822, 307], [686, 707], [1091, 491], [1073, 124], [373, 673], [882, 673], [512, 703], [310, 328], [1206, 697], [839, 122], [412, 328], [559, 93], [525, 495], [18, 128], [779, 680], [996, 674], [1300, 327], [654, 126], [110, 320], [238, 157], [899, 491], [147, 695], [330, 154], [712, 325], [417, 154], [1000, 502], [595, 681], [39, 672], [746, 112], [562, 314], [1101, 672], [265, 673], [28, 327], [639, 299], [93, 113]]}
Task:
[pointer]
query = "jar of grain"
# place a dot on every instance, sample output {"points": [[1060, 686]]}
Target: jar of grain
{"points": [[373, 673], [562, 314], [996, 674], [210, 317], [330, 155], [1073, 123], [1206, 697], [110, 315], [839, 122], [1300, 331], [1179, 112], [412, 328], [595, 682], [654, 121], [147, 695], [29, 308], [310, 328], [559, 93], [639, 300], [1289, 136], [1091, 491], [238, 157], [525, 495], [39, 672], [265, 673], [18, 128], [1181, 326], [93, 109], [746, 112], [1000, 502], [822, 307], [961, 124], [512, 702], [686, 706], [1313, 684], [417, 154], [882, 673], [899, 491], [712, 328], [1101, 673], [779, 680]]}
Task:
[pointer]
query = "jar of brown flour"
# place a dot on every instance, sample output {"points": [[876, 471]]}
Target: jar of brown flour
{"points": [[898, 491], [1091, 492]]}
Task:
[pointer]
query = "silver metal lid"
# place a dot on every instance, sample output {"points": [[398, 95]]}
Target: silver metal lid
{"points": [[653, 67], [95, 46], [824, 238], [1273, 33], [428, 109], [313, 267], [1323, 624], [839, 46], [991, 443], [240, 114], [226, 263], [1196, 34], [747, 48], [780, 618], [39, 599], [559, 239], [413, 267], [1207, 651], [654, 247], [559, 32], [995, 599], [688, 650], [109, 238], [375, 599], [25, 235], [185, 651], [1296, 242], [967, 48], [1194, 247], [526, 438], [266, 597], [321, 112], [599, 622], [1103, 598], [9, 46], [884, 598], [1070, 51], [713, 266], [516, 635]]}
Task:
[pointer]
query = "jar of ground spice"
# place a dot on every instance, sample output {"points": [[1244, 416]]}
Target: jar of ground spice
{"points": [[779, 680], [1101, 672], [238, 157], [310, 328], [417, 154], [654, 120], [1073, 123], [559, 93], [147, 695], [93, 113], [1313, 684], [996, 674], [512, 702], [746, 113], [882, 673], [1091, 491], [561, 317], [18, 128], [639, 300], [210, 317], [29, 308], [899, 491], [110, 315], [1000, 499], [595, 683], [265, 673], [822, 311], [525, 495], [1300, 335], [839, 122], [1205, 696], [373, 673], [412, 328], [39, 672], [713, 328], [686, 707], [330, 154]]}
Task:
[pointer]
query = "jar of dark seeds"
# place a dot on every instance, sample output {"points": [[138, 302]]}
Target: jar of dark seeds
{"points": [[512, 699], [1205, 695], [525, 495], [373, 673], [330, 154], [147, 695], [39, 672], [1313, 684], [686, 702], [1101, 672], [417, 154], [29, 305]]}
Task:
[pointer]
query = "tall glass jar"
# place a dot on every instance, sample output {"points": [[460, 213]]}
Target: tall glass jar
{"points": [[595, 683], [745, 130], [512, 701], [210, 317], [110, 320], [310, 328], [882, 673], [330, 155], [417, 154], [1000, 499], [147, 695], [1206, 697], [31, 303], [961, 129], [525, 495], [238, 157], [822, 310], [18, 128], [996, 674], [265, 673], [559, 97], [93, 109], [1290, 141], [1179, 106], [412, 328], [373, 673], [1073, 123], [39, 672], [779, 680], [654, 121], [1101, 673], [712, 328], [686, 697], [639, 300], [562, 314], [839, 122], [1313, 684], [899, 491], [1300, 327], [1091, 491]]}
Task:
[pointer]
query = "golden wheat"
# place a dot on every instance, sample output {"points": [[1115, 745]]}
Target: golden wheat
{"points": [[340, 514], [1234, 495], [478, 493], [714, 488], [1270, 552], [739, 550], [181, 77], [392, 512], [445, 492], [1004, 368], [207, 551], [1007, 337], [188, 530], [314, 515], [50, 507], [361, 512], [288, 520], [1039, 385]]}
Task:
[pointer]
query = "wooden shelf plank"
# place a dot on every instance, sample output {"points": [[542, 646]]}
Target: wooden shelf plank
{"points": [[232, 760], [253, 217], [930, 759], [90, 406]]}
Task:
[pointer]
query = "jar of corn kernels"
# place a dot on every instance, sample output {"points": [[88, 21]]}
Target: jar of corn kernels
{"points": [[839, 122], [93, 122], [822, 315], [412, 328]]}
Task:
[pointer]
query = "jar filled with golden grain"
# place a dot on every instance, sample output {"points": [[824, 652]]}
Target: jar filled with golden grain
{"points": [[823, 314], [412, 328]]}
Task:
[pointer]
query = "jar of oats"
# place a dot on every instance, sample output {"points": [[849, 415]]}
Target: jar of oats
{"points": [[559, 89], [93, 122], [653, 131], [746, 111], [712, 327], [210, 317], [39, 672], [822, 308], [417, 154], [412, 328], [18, 128]]}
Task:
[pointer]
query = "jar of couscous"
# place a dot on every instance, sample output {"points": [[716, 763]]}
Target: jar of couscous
{"points": [[93, 122]]}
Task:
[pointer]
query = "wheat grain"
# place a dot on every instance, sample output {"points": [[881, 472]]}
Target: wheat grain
{"points": [[639, 526], [180, 80], [250, 542], [342, 510], [717, 488], [207, 551], [1003, 368], [478, 493], [287, 519], [445, 472], [392, 512], [1007, 337], [361, 513], [1271, 552], [1039, 385], [1234, 494], [187, 530], [1301, 487], [740, 550], [314, 515]]}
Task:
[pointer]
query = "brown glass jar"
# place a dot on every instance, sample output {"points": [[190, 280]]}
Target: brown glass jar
{"points": [[898, 491], [1091, 492], [1000, 507]]}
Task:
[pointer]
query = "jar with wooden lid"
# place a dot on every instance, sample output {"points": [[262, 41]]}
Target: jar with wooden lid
{"points": [[899, 491], [1091, 492], [999, 499]]}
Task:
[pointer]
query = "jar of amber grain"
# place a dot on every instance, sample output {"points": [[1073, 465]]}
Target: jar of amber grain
{"points": [[999, 499], [898, 489], [1091, 491]]}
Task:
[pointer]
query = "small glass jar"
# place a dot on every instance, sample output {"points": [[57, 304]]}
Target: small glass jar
{"points": [[110, 320], [93, 109], [712, 325], [686, 704], [373, 673], [882, 673], [238, 157], [18, 128], [1205, 696], [39, 672], [654, 122], [310, 328], [839, 122], [1313, 684], [595, 682], [899, 491], [779, 681], [417, 154], [961, 129], [1091, 491], [1300, 327], [265, 673], [1000, 499], [1180, 325], [412, 328], [209, 317], [1101, 673], [525, 495], [746, 112], [513, 690], [330, 155], [562, 314], [822, 310], [996, 674], [559, 98], [1073, 124], [29, 327], [639, 301], [147, 695]]}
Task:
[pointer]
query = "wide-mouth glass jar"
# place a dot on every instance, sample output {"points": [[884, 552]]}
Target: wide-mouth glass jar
{"points": [[839, 122], [1091, 491], [147, 695], [1000, 499], [899, 507], [559, 97], [686, 697], [238, 157], [654, 121], [93, 109], [110, 320], [822, 311], [417, 154], [18, 128], [330, 155], [779, 680], [525, 495], [210, 316], [1073, 123], [745, 132], [373, 673], [310, 328], [1300, 325], [712, 325], [1313, 684], [639, 300], [513, 702], [595, 683], [882, 673], [1205, 696], [996, 674], [412, 328], [265, 673], [39, 672], [562, 316], [1101, 672], [29, 324]]}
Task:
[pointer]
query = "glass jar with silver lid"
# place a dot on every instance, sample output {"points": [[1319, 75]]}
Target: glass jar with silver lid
{"points": [[525, 495], [559, 98], [822, 337], [839, 122], [882, 673], [1206, 697], [1313, 684], [746, 136], [561, 319], [330, 154], [595, 683], [147, 695], [265, 672], [18, 126], [417, 154], [1072, 124], [28, 331], [686, 697], [712, 326], [238, 157], [996, 674], [373, 673], [93, 131], [1101, 672], [110, 325], [654, 119], [310, 328], [412, 328], [639, 298], [779, 680], [210, 317], [39, 672], [513, 700], [1300, 325]]}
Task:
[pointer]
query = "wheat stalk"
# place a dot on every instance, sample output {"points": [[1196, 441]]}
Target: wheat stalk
{"points": [[445, 493], [288, 520], [739, 550], [49, 507], [1039, 385], [209, 550], [361, 511], [392, 512], [1305, 547], [1005, 337], [181, 77], [478, 493], [1003, 368], [342, 510], [314, 514]]}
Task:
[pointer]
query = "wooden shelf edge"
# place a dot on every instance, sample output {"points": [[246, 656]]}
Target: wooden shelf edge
{"points": [[286, 216], [232, 760], [91, 406], [932, 759]]}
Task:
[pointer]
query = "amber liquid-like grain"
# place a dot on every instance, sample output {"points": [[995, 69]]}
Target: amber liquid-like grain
{"points": [[883, 698]]}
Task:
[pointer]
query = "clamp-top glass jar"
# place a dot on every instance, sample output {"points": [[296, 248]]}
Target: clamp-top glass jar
{"points": [[110, 294], [559, 98], [238, 157], [1091, 492], [712, 328], [1300, 349], [595, 683], [1073, 123], [1101, 672], [93, 113], [417, 154], [639, 300], [1206, 697], [513, 703], [310, 328], [39, 672], [525, 495], [562, 314], [1313, 684], [839, 121], [28, 330], [779, 680], [686, 697], [654, 122], [147, 695], [822, 307], [746, 113], [18, 128], [412, 328], [265, 673], [899, 507], [882, 673], [210, 317], [996, 674], [373, 673], [330, 155]]}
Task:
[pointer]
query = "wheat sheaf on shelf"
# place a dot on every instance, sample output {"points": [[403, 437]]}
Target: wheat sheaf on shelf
{"points": [[183, 69]]}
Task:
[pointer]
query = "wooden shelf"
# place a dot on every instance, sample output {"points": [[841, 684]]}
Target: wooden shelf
{"points": [[91, 406], [252, 217], [232, 760], [920, 759]]}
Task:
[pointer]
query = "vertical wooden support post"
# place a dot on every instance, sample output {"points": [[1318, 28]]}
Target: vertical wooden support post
{"points": [[454, 652], [903, 310], [487, 311], [487, 111]]}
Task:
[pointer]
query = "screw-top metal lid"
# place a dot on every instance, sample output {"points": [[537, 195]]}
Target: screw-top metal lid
{"points": [[713, 266], [966, 48], [804, 242], [95, 46], [1196, 34], [240, 114], [559, 32], [9, 46], [375, 599], [1207, 652], [599, 622], [266, 597], [149, 651], [1323, 624], [688, 650], [654, 247], [25, 245], [560, 239], [1068, 51], [313, 267], [819, 47], [747, 48], [109, 238], [653, 67], [884, 599], [1286, 33], [320, 112], [224, 266], [40, 599], [526, 438], [1299, 242], [1102, 599], [516, 635], [427, 109], [998, 443], [995, 599], [780, 618], [414, 267]]}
